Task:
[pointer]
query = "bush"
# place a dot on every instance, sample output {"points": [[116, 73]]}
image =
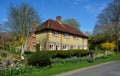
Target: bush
{"points": [[28, 52], [37, 47], [4, 55], [68, 53], [39, 59]]}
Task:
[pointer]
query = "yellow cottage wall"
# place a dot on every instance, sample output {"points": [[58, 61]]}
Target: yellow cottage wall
{"points": [[47, 36], [60, 39], [41, 37]]}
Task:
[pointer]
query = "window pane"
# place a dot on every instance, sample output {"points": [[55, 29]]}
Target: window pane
{"points": [[55, 33], [66, 35]]}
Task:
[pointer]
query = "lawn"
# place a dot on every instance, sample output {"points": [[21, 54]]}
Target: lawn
{"points": [[64, 67]]}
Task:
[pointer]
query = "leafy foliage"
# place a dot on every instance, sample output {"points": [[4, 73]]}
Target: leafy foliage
{"points": [[16, 71], [39, 59], [68, 53], [107, 26], [4, 54], [109, 46], [72, 22], [37, 47]]}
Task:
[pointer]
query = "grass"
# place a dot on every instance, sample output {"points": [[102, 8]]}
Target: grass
{"points": [[60, 68]]}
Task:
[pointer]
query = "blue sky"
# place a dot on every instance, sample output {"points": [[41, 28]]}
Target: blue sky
{"points": [[84, 11]]}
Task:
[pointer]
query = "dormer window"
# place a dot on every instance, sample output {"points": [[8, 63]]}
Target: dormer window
{"points": [[66, 35], [75, 37], [55, 33]]}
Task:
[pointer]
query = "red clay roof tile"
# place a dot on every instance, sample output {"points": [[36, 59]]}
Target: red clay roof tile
{"points": [[54, 25]]}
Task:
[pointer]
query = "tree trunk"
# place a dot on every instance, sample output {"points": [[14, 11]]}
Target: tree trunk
{"points": [[24, 47]]}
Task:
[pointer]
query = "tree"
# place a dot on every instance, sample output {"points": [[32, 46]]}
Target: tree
{"points": [[72, 22], [20, 21], [108, 24]]}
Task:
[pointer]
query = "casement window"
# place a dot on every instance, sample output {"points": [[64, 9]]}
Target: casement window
{"points": [[51, 47], [75, 37], [55, 33], [66, 35], [57, 47], [72, 47], [64, 47]]}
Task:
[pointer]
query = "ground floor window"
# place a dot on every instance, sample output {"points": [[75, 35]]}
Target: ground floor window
{"points": [[72, 47], [57, 47], [64, 47], [51, 46]]}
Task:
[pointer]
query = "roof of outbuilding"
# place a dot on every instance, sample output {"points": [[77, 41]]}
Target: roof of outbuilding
{"points": [[54, 25]]}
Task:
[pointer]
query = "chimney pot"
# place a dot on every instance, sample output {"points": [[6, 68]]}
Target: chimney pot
{"points": [[58, 19]]}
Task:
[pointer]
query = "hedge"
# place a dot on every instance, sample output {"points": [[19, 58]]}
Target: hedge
{"points": [[67, 53]]}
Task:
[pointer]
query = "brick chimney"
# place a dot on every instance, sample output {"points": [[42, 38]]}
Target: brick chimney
{"points": [[58, 19], [34, 25]]}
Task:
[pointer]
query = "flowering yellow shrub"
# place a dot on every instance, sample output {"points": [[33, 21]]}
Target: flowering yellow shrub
{"points": [[108, 46]]}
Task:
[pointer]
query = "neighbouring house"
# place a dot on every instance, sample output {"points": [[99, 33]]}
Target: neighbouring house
{"points": [[31, 46], [4, 39], [55, 35]]}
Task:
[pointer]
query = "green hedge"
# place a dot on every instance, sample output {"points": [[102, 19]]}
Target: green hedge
{"points": [[67, 53], [40, 59]]}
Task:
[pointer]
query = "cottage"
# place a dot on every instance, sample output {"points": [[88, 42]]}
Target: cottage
{"points": [[55, 35]]}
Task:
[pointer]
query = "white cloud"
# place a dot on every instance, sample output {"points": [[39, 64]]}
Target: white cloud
{"points": [[92, 8], [87, 6]]}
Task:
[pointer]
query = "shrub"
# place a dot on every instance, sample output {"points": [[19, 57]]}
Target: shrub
{"points": [[16, 71], [53, 54], [28, 52], [37, 47], [4, 55], [68, 53], [39, 59]]}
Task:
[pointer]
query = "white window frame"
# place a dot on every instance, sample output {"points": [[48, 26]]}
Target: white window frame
{"points": [[55, 33], [66, 35], [65, 47], [51, 47], [57, 45], [72, 47]]}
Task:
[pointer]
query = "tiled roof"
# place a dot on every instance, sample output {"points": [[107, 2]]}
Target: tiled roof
{"points": [[54, 25]]}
